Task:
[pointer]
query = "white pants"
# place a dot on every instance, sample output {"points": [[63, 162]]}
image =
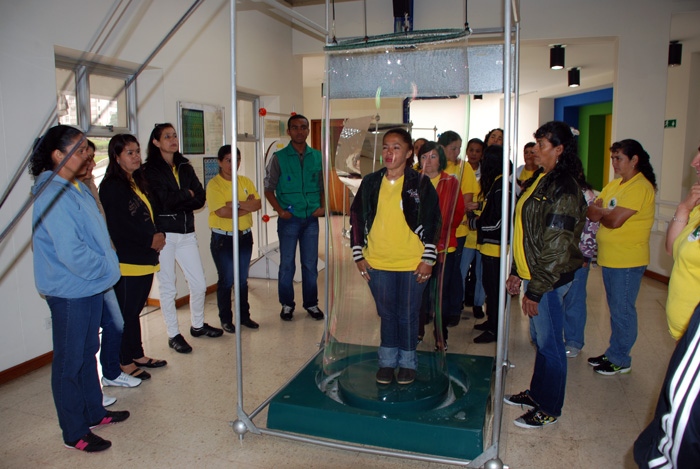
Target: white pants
{"points": [[184, 249]]}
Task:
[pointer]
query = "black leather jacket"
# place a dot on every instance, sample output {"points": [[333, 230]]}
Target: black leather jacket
{"points": [[552, 220], [172, 203]]}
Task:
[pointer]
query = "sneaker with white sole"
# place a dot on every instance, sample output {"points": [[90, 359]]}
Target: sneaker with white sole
{"points": [[599, 360], [523, 400], [572, 352], [90, 443], [122, 381], [534, 418], [608, 368], [108, 400]]}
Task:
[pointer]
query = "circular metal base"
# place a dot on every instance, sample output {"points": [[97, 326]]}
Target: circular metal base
{"points": [[358, 387]]}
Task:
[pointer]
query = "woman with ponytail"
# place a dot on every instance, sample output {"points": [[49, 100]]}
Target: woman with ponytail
{"points": [[625, 209]]}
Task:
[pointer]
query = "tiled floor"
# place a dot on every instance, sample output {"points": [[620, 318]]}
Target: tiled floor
{"points": [[180, 418]]}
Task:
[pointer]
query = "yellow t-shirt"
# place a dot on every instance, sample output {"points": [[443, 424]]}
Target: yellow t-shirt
{"points": [[518, 236], [684, 287], [219, 193], [135, 270], [469, 186], [525, 175], [470, 242], [391, 245], [628, 245]]}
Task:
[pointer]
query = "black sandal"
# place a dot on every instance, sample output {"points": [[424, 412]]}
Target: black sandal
{"points": [[141, 374], [151, 363]]}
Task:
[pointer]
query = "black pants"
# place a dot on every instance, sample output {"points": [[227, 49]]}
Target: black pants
{"points": [[132, 293], [490, 280]]}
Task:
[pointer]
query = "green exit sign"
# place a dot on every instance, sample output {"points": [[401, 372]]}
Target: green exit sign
{"points": [[669, 123]]}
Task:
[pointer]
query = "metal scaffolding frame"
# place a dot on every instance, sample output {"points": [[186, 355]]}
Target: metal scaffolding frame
{"points": [[490, 456]]}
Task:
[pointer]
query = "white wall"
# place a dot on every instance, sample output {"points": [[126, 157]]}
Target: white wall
{"points": [[194, 66]]}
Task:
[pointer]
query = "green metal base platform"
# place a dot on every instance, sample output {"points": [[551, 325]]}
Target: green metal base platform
{"points": [[435, 415]]}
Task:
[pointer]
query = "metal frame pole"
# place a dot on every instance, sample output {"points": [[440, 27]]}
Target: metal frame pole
{"points": [[234, 194]]}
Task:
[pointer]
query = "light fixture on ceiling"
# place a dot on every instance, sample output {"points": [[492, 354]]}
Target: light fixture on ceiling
{"points": [[675, 51], [574, 77], [556, 57]]}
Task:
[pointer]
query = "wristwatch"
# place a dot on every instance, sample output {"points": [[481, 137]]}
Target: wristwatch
{"points": [[431, 263]]}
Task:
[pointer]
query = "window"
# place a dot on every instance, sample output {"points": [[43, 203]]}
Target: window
{"points": [[93, 97], [248, 106]]}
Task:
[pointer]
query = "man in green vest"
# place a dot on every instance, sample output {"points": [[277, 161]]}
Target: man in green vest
{"points": [[294, 188]]}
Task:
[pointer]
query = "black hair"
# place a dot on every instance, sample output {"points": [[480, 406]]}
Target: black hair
{"points": [[488, 135], [226, 150], [529, 145], [295, 117], [406, 137], [59, 137], [629, 148], [478, 141], [152, 151], [581, 179], [559, 133], [223, 151], [425, 140], [91, 144], [491, 167], [427, 148], [115, 148], [448, 137]]}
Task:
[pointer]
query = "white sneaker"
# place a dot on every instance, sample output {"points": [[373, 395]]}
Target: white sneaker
{"points": [[108, 400], [123, 381], [572, 352]]}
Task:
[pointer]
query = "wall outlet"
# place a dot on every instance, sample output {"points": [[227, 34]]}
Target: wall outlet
{"points": [[47, 323]]}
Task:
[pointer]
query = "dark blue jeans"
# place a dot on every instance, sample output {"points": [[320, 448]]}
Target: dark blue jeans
{"points": [[305, 232], [222, 252], [398, 298], [621, 289], [548, 384], [74, 381], [112, 327], [575, 312]]}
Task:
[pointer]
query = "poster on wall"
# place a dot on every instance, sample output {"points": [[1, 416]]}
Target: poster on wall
{"points": [[201, 131], [192, 133]]}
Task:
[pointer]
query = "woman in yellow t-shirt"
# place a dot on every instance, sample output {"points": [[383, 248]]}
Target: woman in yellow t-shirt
{"points": [[219, 200], [129, 216], [395, 232], [451, 142], [527, 170], [625, 209], [683, 243]]}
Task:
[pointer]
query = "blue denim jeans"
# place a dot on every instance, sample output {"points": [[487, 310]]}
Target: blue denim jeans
{"points": [[74, 381], [112, 327], [398, 298], [548, 384], [468, 256], [305, 232], [621, 289], [222, 251], [575, 312]]}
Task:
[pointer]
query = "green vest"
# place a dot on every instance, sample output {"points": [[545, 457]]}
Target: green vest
{"points": [[298, 190]]}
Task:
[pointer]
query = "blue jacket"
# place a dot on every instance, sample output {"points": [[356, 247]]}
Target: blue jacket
{"points": [[73, 257]]}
